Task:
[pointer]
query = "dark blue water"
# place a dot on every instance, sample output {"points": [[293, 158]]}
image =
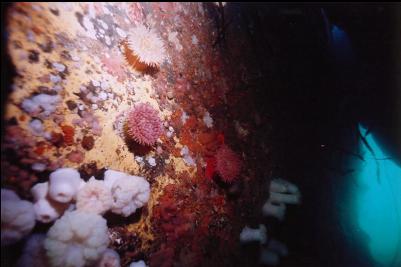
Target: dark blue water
{"points": [[372, 199]]}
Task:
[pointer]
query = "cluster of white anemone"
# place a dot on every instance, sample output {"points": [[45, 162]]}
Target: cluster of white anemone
{"points": [[282, 192], [271, 249], [79, 235]]}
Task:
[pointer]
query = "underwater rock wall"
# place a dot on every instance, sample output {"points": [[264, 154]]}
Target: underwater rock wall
{"points": [[74, 87]]}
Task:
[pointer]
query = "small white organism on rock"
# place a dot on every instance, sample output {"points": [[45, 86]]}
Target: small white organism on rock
{"points": [[250, 235], [94, 197], [46, 210], [109, 258], [184, 117], [36, 127], [39, 167], [76, 239], [274, 210], [41, 104], [138, 264], [58, 66], [283, 186], [64, 184], [172, 37], [208, 120], [17, 218], [282, 191], [151, 161], [129, 192], [185, 153], [194, 40], [34, 254]]}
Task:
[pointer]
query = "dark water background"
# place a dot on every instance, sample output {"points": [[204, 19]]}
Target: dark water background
{"points": [[318, 98], [325, 87]]}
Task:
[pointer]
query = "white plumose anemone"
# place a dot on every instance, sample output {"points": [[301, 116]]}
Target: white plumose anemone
{"points": [[94, 197], [46, 210], [250, 234], [110, 258], [76, 239], [7, 194], [129, 192], [64, 184], [17, 218]]}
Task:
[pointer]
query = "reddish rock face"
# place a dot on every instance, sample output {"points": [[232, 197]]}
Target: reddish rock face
{"points": [[197, 77]]}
